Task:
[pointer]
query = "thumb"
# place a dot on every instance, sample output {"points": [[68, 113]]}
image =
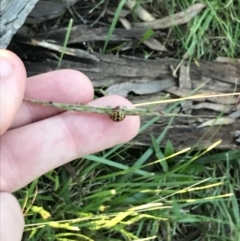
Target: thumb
{"points": [[11, 218], [12, 87]]}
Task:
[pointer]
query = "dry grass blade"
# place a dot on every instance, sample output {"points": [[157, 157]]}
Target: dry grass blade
{"points": [[176, 19], [68, 51]]}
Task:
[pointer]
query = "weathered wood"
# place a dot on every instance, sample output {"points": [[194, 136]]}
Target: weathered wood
{"points": [[12, 15], [47, 10], [183, 135], [82, 33], [111, 70], [220, 77]]}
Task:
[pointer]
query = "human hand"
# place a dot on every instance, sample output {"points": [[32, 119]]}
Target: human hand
{"points": [[36, 139]]}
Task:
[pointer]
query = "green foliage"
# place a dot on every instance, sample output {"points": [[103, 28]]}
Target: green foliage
{"points": [[120, 196]]}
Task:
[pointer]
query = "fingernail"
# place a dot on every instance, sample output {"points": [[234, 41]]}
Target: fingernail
{"points": [[6, 67]]}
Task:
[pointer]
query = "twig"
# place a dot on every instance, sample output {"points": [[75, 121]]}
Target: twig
{"points": [[116, 113]]}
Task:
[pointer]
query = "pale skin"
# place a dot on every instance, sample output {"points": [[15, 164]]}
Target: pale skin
{"points": [[36, 139]]}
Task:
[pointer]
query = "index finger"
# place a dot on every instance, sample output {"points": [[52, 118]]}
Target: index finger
{"points": [[69, 86]]}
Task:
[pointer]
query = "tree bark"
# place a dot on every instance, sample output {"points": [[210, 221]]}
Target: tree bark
{"points": [[12, 16]]}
